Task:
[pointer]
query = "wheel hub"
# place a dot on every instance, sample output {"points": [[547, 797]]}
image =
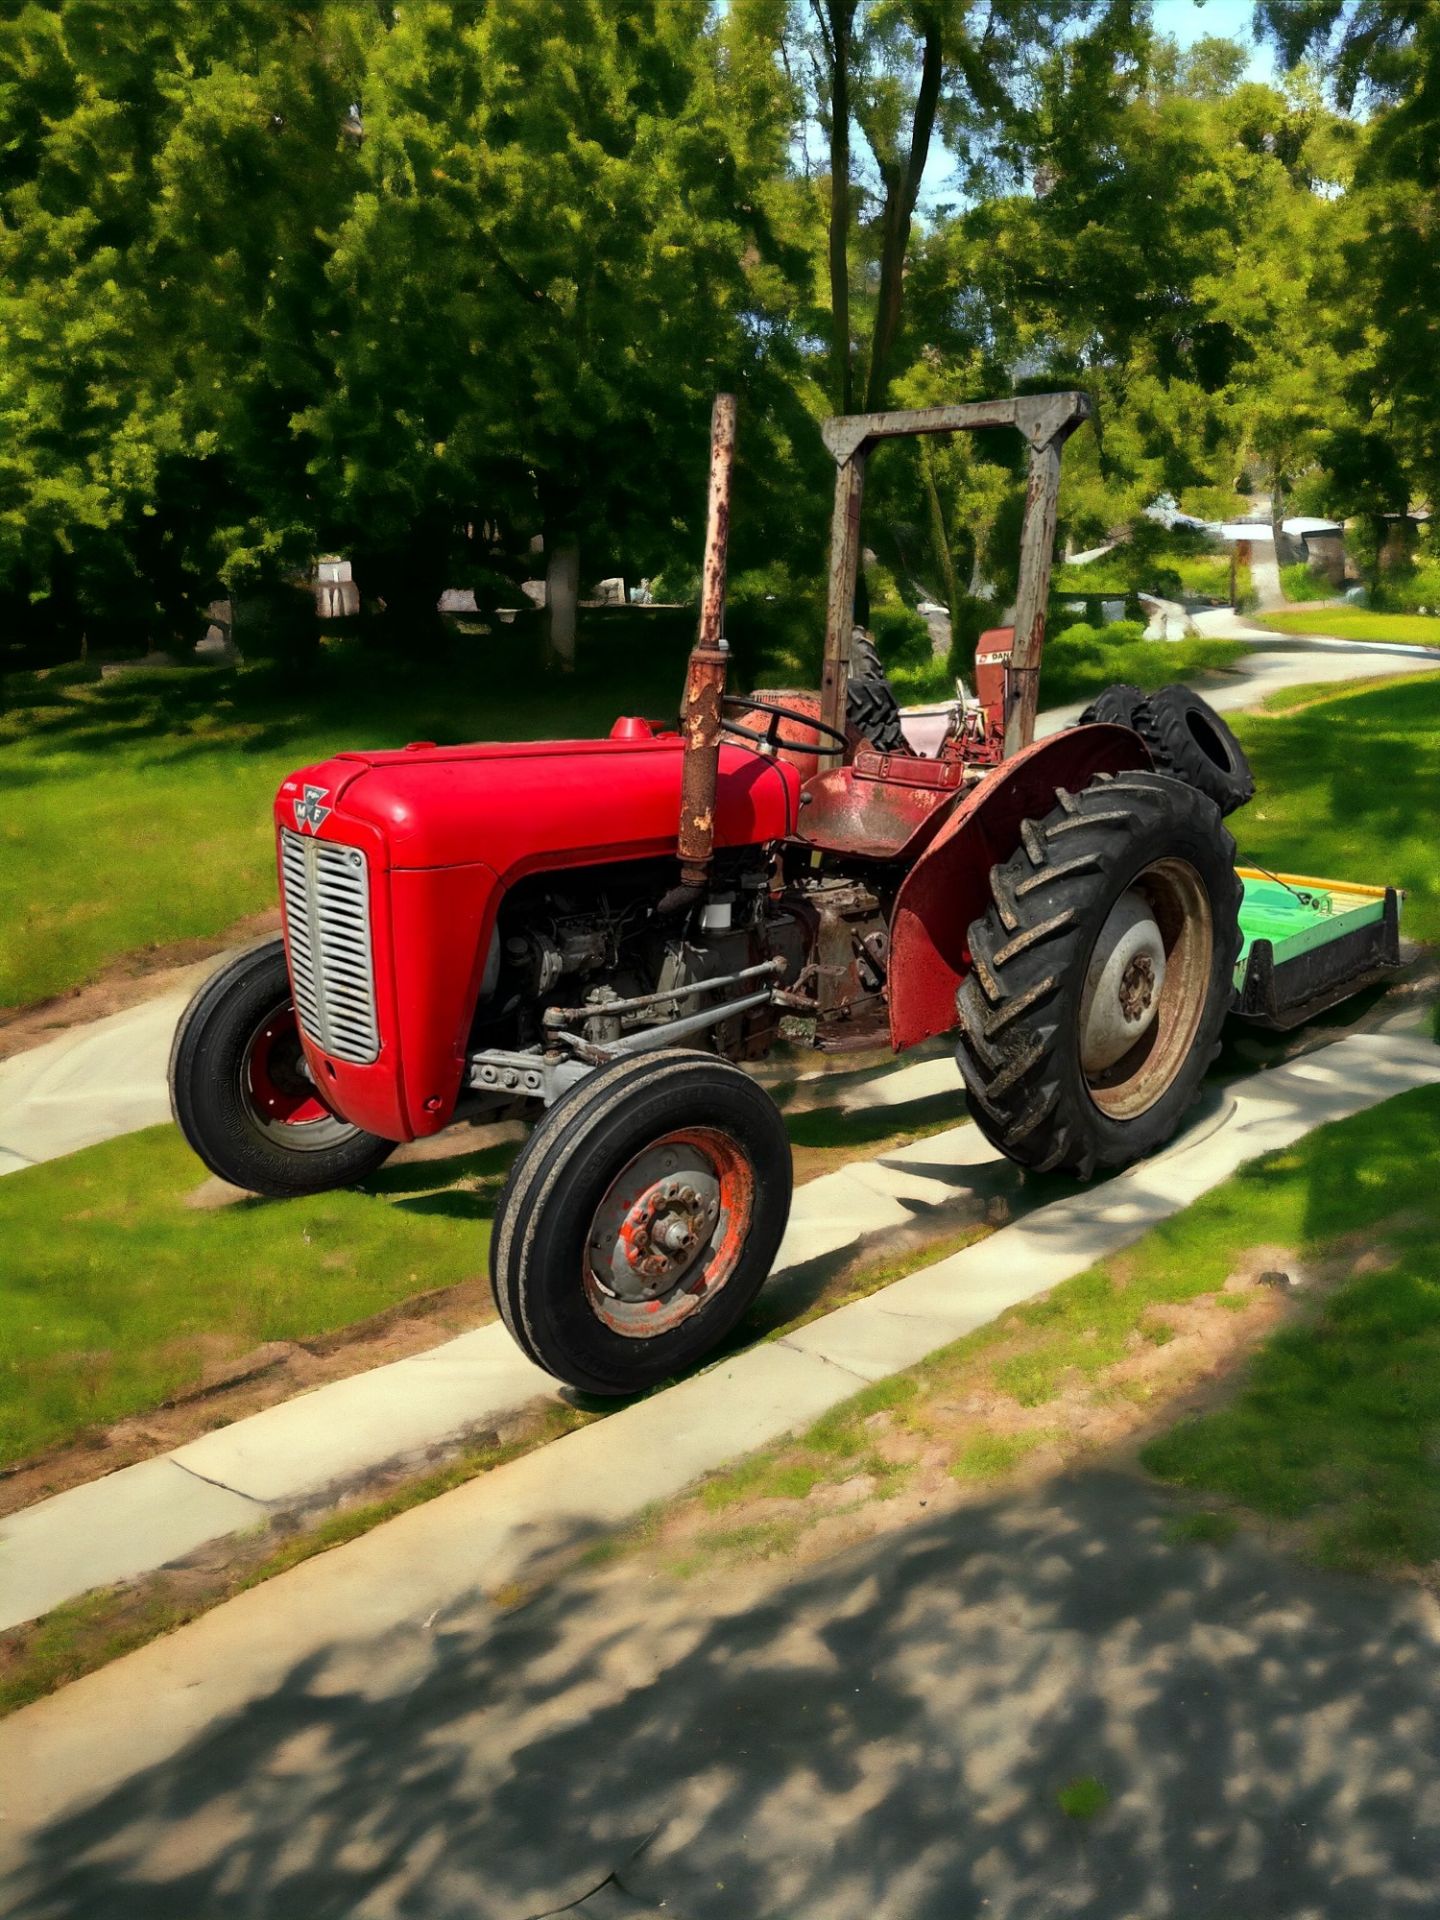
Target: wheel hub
{"points": [[655, 1225], [1122, 983]]}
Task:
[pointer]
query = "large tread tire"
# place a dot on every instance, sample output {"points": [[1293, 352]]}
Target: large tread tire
{"points": [[874, 713], [870, 704], [1187, 738], [561, 1176], [1019, 1051], [865, 661], [1118, 706], [214, 1109]]}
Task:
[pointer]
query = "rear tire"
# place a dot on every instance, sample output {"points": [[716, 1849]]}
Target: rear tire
{"points": [[670, 1143], [1187, 737], [870, 704], [239, 1094], [1117, 917]]}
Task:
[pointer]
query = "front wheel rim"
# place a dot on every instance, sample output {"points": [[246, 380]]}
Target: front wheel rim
{"points": [[669, 1232], [1180, 906], [278, 1095]]}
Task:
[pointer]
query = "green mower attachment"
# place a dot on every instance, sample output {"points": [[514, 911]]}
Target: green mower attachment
{"points": [[1309, 943]]}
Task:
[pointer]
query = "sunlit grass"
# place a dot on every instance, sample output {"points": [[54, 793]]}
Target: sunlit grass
{"points": [[118, 1295]]}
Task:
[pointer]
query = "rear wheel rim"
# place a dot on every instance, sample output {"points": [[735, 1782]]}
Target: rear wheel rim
{"points": [[1180, 905], [277, 1093], [669, 1232]]}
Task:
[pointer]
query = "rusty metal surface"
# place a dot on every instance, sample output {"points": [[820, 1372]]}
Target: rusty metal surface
{"points": [[1037, 546], [842, 812], [949, 885], [840, 591], [1046, 420], [1039, 416], [800, 745], [700, 709]]}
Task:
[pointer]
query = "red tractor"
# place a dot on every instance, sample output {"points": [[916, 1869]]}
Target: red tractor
{"points": [[601, 931]]}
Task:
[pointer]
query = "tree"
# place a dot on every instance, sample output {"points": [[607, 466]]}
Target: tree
{"points": [[164, 172], [544, 277]]}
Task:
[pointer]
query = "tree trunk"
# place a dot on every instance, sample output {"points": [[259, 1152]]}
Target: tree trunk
{"points": [[1277, 508], [840, 16], [562, 599], [940, 539], [902, 189]]}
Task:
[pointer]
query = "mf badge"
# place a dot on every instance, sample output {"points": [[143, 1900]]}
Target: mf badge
{"points": [[309, 814]]}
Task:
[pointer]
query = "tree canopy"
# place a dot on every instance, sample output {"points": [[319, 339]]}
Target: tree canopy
{"points": [[423, 283]]}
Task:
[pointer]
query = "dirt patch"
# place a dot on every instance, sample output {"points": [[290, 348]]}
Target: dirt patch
{"points": [[126, 983], [960, 1433]]}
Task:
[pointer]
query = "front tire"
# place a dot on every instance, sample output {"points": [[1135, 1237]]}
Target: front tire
{"points": [[240, 1095], [640, 1220], [1101, 975]]}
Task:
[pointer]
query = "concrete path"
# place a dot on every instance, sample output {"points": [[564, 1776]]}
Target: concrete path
{"points": [[882, 1736], [1265, 576], [332, 1626], [1278, 661]]}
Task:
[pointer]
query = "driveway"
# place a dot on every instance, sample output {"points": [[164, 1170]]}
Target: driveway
{"points": [[884, 1734]]}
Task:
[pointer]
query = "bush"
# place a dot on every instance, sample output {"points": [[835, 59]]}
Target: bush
{"points": [[901, 636], [776, 627], [1299, 583]]}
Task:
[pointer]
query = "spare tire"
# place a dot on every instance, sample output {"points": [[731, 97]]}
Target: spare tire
{"points": [[1117, 705], [870, 704], [1187, 738], [874, 713]]}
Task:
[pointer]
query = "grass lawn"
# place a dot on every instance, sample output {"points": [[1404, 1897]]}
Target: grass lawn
{"points": [[1077, 665], [138, 808], [1358, 623], [1330, 1422], [1335, 1423], [1347, 784], [118, 1294]]}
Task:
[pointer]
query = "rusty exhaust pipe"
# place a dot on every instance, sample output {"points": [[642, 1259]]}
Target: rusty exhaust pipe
{"points": [[700, 710]]}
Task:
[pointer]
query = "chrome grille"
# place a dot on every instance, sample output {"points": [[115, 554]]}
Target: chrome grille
{"points": [[327, 930]]}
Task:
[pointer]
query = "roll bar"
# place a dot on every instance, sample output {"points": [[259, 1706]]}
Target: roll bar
{"points": [[1046, 420]]}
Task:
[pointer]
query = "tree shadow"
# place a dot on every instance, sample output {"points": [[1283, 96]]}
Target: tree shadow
{"points": [[885, 1734]]}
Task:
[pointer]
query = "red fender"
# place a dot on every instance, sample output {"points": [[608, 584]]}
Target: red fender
{"points": [[949, 885]]}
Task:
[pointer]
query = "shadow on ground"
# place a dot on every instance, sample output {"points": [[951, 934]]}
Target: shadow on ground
{"points": [[884, 1735]]}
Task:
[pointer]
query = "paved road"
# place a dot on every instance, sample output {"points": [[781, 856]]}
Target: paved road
{"points": [[881, 1737], [109, 1078]]}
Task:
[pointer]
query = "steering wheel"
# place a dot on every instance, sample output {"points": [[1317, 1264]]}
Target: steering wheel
{"points": [[770, 738]]}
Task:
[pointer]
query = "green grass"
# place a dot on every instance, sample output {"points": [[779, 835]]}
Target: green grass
{"points": [[1172, 565], [1298, 582], [989, 1456], [1359, 623], [118, 1295], [1083, 1798], [138, 810], [1079, 662], [1347, 785], [1336, 1425]]}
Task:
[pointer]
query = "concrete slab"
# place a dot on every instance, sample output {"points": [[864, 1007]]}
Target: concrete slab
{"points": [[89, 1084], [340, 1432], [128, 1523]]}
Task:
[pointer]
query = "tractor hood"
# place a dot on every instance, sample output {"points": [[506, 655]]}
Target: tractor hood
{"points": [[531, 804]]}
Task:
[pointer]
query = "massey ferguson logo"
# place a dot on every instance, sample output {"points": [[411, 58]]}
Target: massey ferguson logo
{"points": [[309, 814]]}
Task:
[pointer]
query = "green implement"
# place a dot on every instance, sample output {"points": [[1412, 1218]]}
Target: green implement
{"points": [[1308, 943]]}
